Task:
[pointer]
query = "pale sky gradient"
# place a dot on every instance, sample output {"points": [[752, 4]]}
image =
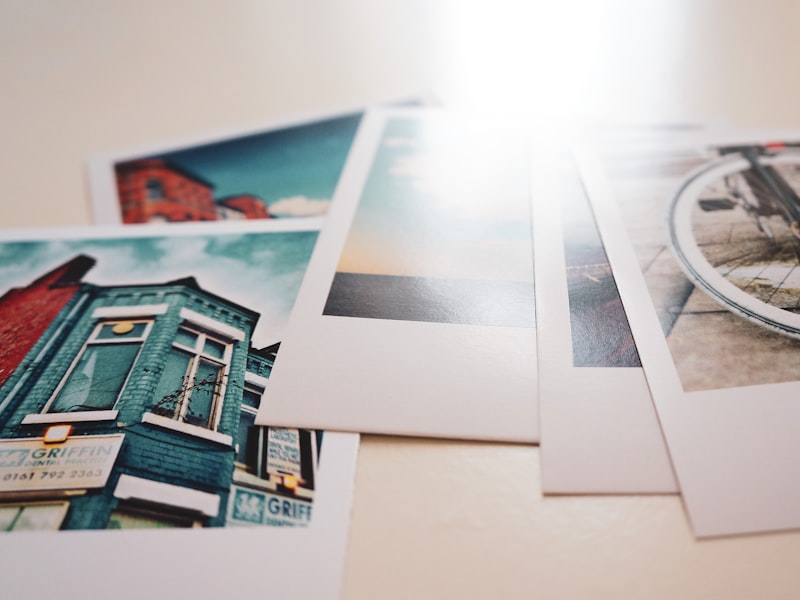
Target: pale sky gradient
{"points": [[447, 199]]}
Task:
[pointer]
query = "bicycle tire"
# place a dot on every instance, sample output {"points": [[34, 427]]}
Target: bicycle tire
{"points": [[682, 212]]}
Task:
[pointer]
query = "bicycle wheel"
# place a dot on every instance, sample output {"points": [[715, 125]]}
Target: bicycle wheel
{"points": [[734, 245]]}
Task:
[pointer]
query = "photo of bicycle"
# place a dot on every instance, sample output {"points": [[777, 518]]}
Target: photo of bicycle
{"points": [[715, 231], [734, 226]]}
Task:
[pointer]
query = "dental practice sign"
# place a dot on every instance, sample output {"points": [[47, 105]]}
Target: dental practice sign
{"points": [[78, 463], [283, 451]]}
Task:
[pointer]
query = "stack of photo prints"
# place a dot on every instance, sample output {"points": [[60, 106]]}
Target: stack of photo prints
{"points": [[250, 301]]}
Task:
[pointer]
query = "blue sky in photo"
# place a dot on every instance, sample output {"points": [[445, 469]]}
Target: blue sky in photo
{"points": [[303, 161]]}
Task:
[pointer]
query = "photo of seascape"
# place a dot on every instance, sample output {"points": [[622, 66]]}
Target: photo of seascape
{"points": [[442, 232]]}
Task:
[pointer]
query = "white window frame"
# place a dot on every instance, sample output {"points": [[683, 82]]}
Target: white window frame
{"points": [[255, 383], [92, 340], [70, 417], [130, 487], [187, 428], [205, 328], [60, 505], [212, 325], [197, 356], [152, 185], [138, 311]]}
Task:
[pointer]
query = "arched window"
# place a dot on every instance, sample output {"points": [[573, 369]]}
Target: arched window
{"points": [[154, 189]]}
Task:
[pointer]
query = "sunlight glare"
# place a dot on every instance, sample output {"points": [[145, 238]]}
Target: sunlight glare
{"points": [[569, 59]]}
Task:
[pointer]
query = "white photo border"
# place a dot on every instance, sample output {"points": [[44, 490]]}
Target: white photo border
{"points": [[600, 433], [734, 450]]}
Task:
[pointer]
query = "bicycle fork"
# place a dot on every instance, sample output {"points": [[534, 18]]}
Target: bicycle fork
{"points": [[787, 200]]}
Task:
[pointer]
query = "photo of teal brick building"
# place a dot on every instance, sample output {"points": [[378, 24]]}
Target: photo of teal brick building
{"points": [[134, 406]]}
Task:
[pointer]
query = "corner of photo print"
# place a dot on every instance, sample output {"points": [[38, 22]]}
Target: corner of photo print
{"points": [[284, 168], [134, 369], [417, 313], [703, 238], [281, 169], [599, 428]]}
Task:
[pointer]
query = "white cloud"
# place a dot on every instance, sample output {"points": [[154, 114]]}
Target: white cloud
{"points": [[299, 206]]}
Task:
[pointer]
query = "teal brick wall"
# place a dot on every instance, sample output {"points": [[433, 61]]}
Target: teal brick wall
{"points": [[149, 451]]}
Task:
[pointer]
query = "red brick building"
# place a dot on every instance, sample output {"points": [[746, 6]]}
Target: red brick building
{"points": [[26, 312], [251, 207], [152, 190]]}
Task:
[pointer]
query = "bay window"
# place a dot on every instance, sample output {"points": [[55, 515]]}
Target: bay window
{"points": [[192, 382]]}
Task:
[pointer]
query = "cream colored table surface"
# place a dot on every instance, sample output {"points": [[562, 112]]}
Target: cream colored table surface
{"points": [[431, 519]]}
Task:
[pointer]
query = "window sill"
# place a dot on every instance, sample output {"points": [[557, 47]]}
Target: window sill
{"points": [[250, 480], [192, 430], [167, 494], [70, 417]]}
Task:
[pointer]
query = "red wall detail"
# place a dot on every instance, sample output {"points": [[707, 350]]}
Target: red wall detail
{"points": [[155, 190], [152, 190], [25, 313], [252, 207]]}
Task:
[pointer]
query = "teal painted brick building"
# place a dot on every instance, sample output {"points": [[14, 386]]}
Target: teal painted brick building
{"points": [[136, 408]]}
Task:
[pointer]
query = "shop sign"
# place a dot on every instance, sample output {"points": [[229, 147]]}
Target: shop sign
{"points": [[283, 451], [80, 462], [254, 507]]}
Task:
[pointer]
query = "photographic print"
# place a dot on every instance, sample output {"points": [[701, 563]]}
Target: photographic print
{"points": [[595, 407], [274, 172], [601, 336], [701, 234], [418, 307], [132, 371], [428, 242], [720, 272]]}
